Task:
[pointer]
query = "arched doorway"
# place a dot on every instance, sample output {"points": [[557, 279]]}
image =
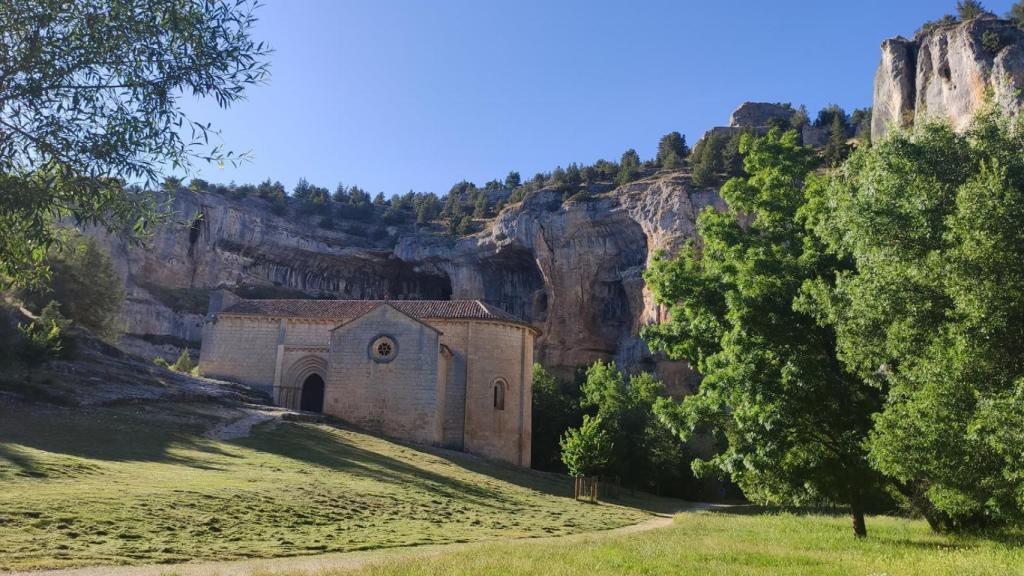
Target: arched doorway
{"points": [[312, 394]]}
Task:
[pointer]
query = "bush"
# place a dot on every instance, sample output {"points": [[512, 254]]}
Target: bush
{"points": [[184, 363], [42, 339]]}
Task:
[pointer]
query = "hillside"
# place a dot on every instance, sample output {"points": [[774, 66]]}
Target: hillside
{"points": [[157, 481]]}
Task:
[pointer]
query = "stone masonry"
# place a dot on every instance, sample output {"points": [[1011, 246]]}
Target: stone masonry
{"points": [[455, 374]]}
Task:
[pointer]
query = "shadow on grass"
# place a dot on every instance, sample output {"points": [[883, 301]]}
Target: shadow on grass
{"points": [[105, 434], [320, 446]]}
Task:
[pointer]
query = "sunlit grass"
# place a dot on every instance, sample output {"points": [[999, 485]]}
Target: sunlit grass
{"points": [[715, 543], [141, 485]]}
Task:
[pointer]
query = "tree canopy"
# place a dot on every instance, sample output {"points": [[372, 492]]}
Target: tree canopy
{"points": [[933, 308], [795, 419], [90, 98]]}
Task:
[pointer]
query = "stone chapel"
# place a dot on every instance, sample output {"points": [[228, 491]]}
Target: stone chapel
{"points": [[449, 373]]}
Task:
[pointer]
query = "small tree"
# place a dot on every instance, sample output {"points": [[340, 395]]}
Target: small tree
{"points": [[968, 9], [513, 180], [586, 450], [629, 167], [672, 150], [42, 339], [184, 363], [836, 149], [480, 206], [1016, 14]]}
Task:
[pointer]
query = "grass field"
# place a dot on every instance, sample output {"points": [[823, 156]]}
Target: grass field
{"points": [[140, 484], [715, 543]]}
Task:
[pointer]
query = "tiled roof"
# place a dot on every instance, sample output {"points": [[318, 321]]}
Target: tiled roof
{"points": [[345, 309]]}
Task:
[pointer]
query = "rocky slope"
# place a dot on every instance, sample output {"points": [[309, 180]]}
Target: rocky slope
{"points": [[572, 269], [946, 71]]}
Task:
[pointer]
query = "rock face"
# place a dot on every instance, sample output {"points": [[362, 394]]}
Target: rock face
{"points": [[573, 270], [946, 73], [760, 114]]}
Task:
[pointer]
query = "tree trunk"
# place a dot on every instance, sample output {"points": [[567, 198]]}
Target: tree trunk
{"points": [[860, 530]]}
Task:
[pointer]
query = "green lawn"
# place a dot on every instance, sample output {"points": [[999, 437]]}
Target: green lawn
{"points": [[139, 484], [715, 543]]}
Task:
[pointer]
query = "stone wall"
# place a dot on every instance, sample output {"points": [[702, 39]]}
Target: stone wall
{"points": [[242, 349], [399, 397], [482, 353]]}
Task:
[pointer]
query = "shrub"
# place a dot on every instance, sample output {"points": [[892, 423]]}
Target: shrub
{"points": [[42, 339], [184, 363]]}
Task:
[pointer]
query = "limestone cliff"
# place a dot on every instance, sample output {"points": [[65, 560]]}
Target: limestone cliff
{"points": [[572, 269], [946, 72]]}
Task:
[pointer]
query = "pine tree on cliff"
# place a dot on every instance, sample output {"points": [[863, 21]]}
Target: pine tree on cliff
{"points": [[672, 150], [836, 149]]}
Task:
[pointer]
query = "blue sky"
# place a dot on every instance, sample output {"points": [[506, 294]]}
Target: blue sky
{"points": [[395, 95]]}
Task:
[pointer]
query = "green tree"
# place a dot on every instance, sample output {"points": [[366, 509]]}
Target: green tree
{"points": [[513, 181], [836, 148], [800, 118], [1016, 13], [933, 310], [625, 407], [586, 450], [91, 97], [480, 208], [793, 417], [556, 408], [86, 284], [42, 339], [968, 9], [629, 167], [672, 151], [184, 363]]}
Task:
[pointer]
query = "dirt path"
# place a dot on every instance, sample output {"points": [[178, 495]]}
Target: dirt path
{"points": [[340, 561], [241, 426]]}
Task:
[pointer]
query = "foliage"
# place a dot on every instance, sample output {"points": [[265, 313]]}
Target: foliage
{"points": [[644, 454], [800, 118], [968, 9], [556, 408], [586, 450], [794, 418], [836, 148], [42, 339], [717, 153], [672, 151], [512, 180], [90, 98], [629, 167], [1016, 13], [828, 115], [184, 363], [933, 310], [993, 41], [85, 282]]}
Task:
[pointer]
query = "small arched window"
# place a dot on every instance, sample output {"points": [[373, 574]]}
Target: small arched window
{"points": [[499, 394]]}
